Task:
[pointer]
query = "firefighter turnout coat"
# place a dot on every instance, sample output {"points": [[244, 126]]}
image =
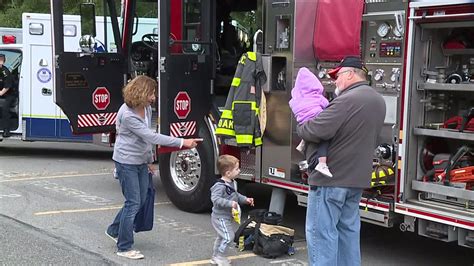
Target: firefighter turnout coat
{"points": [[239, 118]]}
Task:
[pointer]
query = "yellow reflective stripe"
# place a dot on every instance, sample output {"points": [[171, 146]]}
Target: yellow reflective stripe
{"points": [[247, 139], [242, 59], [252, 56], [224, 131], [252, 104], [258, 141], [377, 183], [226, 114], [235, 82]]}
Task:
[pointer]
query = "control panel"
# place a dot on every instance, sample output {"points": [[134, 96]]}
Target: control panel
{"points": [[382, 48], [390, 49]]}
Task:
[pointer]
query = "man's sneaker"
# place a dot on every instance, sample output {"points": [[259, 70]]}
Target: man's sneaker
{"points": [[323, 169], [115, 239], [131, 254], [220, 261]]}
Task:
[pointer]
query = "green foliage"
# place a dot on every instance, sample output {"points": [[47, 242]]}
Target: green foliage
{"points": [[11, 10], [147, 9], [248, 20]]}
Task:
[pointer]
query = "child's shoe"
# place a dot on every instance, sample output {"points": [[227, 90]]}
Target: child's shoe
{"points": [[323, 169], [301, 147], [213, 261], [220, 261]]}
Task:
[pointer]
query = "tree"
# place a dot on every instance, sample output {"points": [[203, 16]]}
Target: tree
{"points": [[12, 10]]}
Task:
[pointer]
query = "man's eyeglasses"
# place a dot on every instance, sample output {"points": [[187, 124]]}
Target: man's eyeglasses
{"points": [[340, 73]]}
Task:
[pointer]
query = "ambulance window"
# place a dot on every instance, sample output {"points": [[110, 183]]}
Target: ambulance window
{"points": [[283, 32], [192, 26], [13, 59], [36, 28], [70, 30]]}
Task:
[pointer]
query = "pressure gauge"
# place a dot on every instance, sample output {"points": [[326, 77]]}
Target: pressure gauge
{"points": [[322, 74], [383, 29], [396, 32], [195, 47], [378, 74]]}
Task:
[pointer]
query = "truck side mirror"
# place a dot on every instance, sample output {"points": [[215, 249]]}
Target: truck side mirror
{"points": [[87, 11]]}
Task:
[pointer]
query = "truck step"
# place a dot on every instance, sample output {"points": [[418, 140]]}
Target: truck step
{"points": [[438, 231]]}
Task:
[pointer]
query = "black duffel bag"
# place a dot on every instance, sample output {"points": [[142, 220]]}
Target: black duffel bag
{"points": [[271, 241]]}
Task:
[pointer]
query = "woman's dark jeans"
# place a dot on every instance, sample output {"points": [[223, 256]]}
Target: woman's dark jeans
{"points": [[134, 181]]}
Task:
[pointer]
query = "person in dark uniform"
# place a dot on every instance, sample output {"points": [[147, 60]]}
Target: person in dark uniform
{"points": [[6, 96]]}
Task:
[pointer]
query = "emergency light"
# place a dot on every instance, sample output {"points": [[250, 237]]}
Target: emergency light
{"points": [[8, 39]]}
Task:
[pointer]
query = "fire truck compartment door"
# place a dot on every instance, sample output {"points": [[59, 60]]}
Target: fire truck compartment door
{"points": [[337, 29]]}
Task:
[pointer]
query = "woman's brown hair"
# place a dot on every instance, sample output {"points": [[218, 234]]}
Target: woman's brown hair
{"points": [[136, 92]]}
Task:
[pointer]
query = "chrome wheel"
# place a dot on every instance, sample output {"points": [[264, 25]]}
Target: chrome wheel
{"points": [[185, 169]]}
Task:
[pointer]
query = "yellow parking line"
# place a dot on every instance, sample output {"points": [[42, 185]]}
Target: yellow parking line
{"points": [[50, 177], [236, 257], [90, 210]]}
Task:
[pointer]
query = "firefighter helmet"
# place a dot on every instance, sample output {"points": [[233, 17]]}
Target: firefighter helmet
{"points": [[382, 175]]}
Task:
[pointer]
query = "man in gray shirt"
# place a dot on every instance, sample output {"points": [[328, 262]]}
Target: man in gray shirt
{"points": [[351, 123]]}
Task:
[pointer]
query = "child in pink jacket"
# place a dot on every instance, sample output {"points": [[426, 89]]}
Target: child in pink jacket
{"points": [[307, 101]]}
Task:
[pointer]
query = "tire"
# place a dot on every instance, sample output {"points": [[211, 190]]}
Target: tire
{"points": [[190, 192]]}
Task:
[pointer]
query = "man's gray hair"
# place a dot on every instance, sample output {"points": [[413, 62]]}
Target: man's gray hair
{"points": [[359, 72]]}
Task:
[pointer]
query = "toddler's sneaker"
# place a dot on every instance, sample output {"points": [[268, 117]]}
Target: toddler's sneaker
{"points": [[301, 146], [323, 169], [220, 261], [213, 261]]}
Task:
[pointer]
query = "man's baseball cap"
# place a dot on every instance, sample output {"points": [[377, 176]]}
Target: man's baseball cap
{"points": [[2, 56], [348, 61]]}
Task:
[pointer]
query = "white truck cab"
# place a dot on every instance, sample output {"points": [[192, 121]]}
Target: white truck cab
{"points": [[34, 114]]}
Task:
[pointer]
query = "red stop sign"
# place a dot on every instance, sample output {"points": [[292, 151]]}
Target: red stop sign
{"points": [[182, 105], [101, 98]]}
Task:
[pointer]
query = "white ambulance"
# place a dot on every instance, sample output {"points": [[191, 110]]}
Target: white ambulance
{"points": [[34, 114]]}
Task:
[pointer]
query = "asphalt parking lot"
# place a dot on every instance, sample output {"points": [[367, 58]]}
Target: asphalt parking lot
{"points": [[56, 199]]}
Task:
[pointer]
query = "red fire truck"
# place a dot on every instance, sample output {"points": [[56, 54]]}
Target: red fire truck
{"points": [[419, 58]]}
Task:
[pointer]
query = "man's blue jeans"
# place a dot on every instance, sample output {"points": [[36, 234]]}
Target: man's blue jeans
{"points": [[333, 226], [134, 182]]}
